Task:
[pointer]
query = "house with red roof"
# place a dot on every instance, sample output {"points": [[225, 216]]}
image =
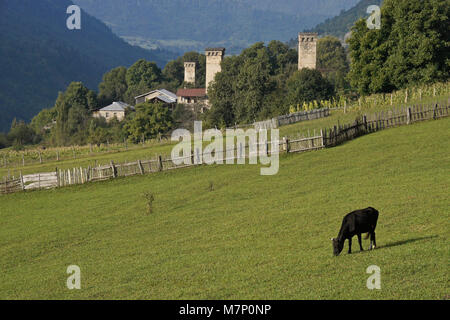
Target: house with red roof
{"points": [[191, 96]]}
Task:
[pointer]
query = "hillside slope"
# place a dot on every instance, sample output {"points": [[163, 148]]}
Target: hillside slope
{"points": [[196, 24], [340, 25], [250, 237], [40, 56]]}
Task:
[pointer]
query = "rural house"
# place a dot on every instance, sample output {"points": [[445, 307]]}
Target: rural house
{"points": [[191, 96], [160, 95], [115, 110]]}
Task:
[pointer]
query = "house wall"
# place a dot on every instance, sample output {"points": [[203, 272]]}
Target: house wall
{"points": [[140, 100], [109, 115]]}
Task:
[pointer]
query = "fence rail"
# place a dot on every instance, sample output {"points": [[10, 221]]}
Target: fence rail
{"points": [[327, 138]]}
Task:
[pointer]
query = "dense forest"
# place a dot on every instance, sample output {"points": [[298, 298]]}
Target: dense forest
{"points": [[40, 56], [261, 82]]}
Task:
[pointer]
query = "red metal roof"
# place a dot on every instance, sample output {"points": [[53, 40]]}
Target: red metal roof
{"points": [[191, 92]]}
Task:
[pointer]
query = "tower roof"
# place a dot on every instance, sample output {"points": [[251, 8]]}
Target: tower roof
{"points": [[308, 34], [215, 49]]}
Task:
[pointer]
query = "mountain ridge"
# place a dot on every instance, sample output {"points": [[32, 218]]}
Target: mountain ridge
{"points": [[40, 56], [234, 24]]}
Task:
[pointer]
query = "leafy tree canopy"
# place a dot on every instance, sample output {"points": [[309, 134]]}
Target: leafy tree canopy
{"points": [[412, 47]]}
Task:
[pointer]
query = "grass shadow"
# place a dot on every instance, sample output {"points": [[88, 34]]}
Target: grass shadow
{"points": [[402, 242], [394, 244]]}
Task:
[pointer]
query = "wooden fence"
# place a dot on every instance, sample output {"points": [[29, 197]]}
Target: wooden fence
{"points": [[302, 116], [326, 138], [383, 120]]}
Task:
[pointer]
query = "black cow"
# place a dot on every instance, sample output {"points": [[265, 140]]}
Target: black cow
{"points": [[355, 223]]}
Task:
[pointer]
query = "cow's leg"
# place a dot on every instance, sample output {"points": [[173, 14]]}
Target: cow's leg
{"points": [[372, 236], [360, 243], [374, 241], [349, 245]]}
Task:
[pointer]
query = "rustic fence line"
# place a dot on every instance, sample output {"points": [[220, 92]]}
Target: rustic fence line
{"points": [[302, 116], [383, 120], [28, 157], [326, 138]]}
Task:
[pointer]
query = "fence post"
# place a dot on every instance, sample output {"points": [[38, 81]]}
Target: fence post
{"points": [[160, 165], [141, 169], [408, 116], [113, 167], [57, 178], [21, 181], [321, 138], [286, 141]]}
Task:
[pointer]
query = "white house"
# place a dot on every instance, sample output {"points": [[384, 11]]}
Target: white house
{"points": [[114, 110]]}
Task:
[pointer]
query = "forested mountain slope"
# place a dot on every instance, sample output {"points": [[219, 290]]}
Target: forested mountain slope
{"points": [[40, 56]]}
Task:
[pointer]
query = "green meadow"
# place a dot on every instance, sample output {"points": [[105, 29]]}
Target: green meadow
{"points": [[226, 232]]}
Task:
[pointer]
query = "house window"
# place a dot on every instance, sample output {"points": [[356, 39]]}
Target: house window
{"points": [[107, 114]]}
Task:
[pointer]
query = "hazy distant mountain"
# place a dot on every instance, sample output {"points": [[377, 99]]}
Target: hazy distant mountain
{"points": [[40, 56], [340, 25], [196, 24]]}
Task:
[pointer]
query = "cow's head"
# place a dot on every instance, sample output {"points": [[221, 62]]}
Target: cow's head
{"points": [[337, 246]]}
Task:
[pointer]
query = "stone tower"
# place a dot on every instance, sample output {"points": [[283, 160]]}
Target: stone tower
{"points": [[189, 72], [307, 50], [214, 56]]}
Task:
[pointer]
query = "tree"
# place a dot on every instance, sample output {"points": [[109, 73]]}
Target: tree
{"points": [[332, 61], [281, 56], [72, 114], [20, 134], [308, 85], [141, 77], [145, 72], [4, 141], [411, 48], [113, 87], [42, 120], [252, 85], [149, 120]]}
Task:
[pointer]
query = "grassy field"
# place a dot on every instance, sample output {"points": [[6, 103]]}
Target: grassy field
{"points": [[251, 236]]}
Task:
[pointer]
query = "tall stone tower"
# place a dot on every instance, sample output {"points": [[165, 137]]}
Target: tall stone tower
{"points": [[189, 72], [307, 50], [214, 56]]}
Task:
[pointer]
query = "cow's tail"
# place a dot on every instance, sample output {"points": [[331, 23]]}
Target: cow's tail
{"points": [[367, 236]]}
